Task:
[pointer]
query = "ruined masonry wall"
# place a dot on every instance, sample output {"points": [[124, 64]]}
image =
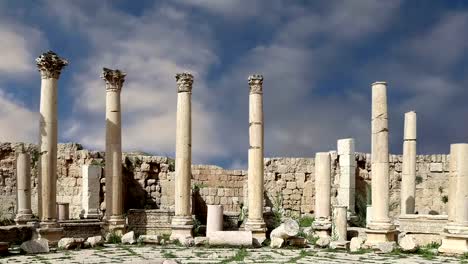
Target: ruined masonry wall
{"points": [[289, 182]]}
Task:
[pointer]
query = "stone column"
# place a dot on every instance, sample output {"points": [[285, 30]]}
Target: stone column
{"points": [[182, 222], [91, 175], [408, 175], [23, 187], [347, 185], [255, 221], [380, 228], [113, 170], [322, 223], [340, 223], [455, 234], [214, 219], [50, 66]]}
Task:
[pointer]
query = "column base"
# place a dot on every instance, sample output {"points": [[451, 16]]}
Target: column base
{"points": [[379, 232], [116, 224], [455, 244], [23, 218], [52, 234], [181, 228], [258, 229]]}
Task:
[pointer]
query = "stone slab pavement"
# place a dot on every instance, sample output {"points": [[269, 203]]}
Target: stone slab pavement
{"points": [[157, 254]]}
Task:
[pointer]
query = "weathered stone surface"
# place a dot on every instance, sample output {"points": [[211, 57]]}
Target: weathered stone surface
{"points": [[129, 238], [35, 246], [3, 248], [385, 247], [288, 228], [201, 241], [356, 244], [408, 244], [323, 242], [94, 241], [231, 238], [276, 242], [170, 261], [339, 245], [297, 242], [70, 242], [149, 239]]}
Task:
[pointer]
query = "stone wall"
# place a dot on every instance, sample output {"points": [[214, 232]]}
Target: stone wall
{"points": [[289, 182]]}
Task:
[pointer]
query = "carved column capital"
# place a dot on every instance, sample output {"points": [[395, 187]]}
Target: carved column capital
{"points": [[255, 83], [114, 79], [184, 82], [50, 65]]}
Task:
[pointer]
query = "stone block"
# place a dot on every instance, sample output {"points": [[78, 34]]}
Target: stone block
{"points": [[35, 246], [436, 167]]}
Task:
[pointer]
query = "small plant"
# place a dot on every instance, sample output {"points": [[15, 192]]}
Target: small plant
{"points": [[168, 254], [361, 251], [241, 254], [197, 186], [419, 179], [114, 238], [196, 227], [277, 209], [444, 199], [306, 221]]}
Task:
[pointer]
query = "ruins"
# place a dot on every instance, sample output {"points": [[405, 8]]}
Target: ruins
{"points": [[64, 195]]}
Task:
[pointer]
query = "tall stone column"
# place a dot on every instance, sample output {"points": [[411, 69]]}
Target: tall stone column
{"points": [[347, 185], [322, 224], [114, 192], [380, 228], [455, 234], [23, 187], [255, 221], [408, 175], [182, 222], [50, 66]]}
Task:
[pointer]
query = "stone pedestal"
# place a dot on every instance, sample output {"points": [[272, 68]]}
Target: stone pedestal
{"points": [[23, 187], [340, 223], [255, 221], [113, 170], [455, 234], [50, 65], [63, 211], [182, 222], [347, 184], [380, 228], [408, 175], [90, 193], [322, 224], [214, 220]]}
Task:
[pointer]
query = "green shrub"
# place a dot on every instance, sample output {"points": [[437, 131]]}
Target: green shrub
{"points": [[306, 221]]}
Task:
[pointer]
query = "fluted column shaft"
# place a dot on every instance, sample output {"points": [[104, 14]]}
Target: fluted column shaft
{"points": [[114, 192], [23, 185], [50, 66], [408, 175], [380, 165]]}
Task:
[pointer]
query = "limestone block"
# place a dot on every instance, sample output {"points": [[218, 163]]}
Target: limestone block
{"points": [[129, 238], [345, 146], [356, 244], [385, 247], [149, 239], [201, 241], [95, 241], [214, 218], [288, 228], [37, 246], [231, 238], [276, 242], [436, 167], [408, 244], [323, 242], [291, 185], [70, 242]]}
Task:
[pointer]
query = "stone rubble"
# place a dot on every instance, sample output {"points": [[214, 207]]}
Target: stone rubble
{"points": [[129, 238], [35, 246]]}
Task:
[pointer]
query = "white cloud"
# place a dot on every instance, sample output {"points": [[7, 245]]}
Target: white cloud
{"points": [[17, 123]]}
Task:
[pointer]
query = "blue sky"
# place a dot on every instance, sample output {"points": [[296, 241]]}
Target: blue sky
{"points": [[318, 59]]}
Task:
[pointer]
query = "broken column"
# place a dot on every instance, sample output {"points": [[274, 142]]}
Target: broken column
{"points": [[322, 223], [340, 223], [182, 222], [255, 222], [347, 185], [91, 175], [113, 170], [380, 228], [50, 66], [455, 235], [214, 219], [408, 175], [23, 187]]}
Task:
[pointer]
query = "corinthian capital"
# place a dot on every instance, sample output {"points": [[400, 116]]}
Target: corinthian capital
{"points": [[114, 79], [50, 65], [255, 83], [184, 82]]}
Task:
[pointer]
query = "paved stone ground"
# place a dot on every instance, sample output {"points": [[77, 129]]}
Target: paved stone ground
{"points": [[157, 254]]}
